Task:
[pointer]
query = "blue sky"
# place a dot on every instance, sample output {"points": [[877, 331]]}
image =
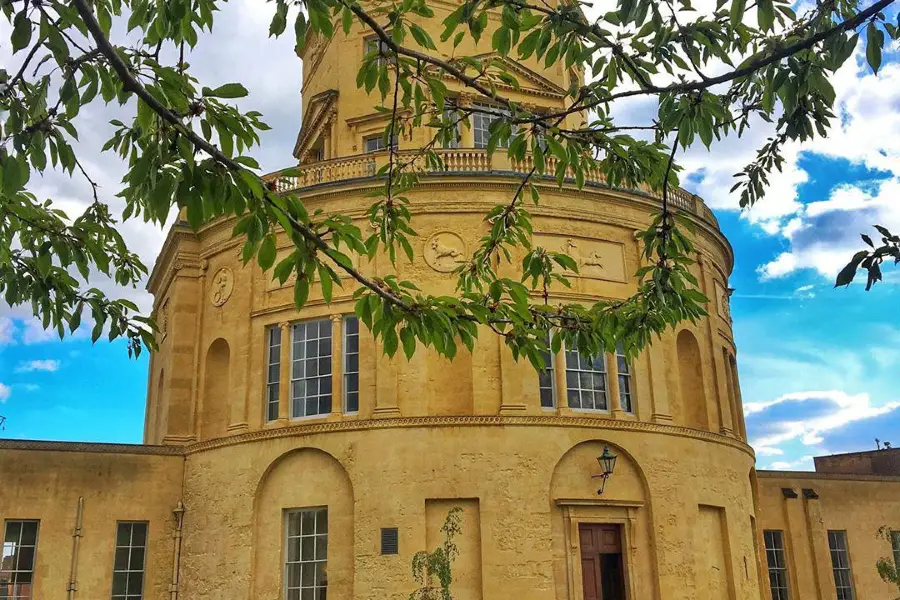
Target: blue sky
{"points": [[818, 366]]}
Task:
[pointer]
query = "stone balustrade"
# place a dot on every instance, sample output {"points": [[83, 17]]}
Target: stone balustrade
{"points": [[456, 160]]}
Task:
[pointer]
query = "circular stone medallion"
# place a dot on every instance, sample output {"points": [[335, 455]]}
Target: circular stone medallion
{"points": [[222, 286], [444, 251]]}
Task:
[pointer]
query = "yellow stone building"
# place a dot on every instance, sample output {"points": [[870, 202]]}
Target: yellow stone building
{"points": [[285, 458]]}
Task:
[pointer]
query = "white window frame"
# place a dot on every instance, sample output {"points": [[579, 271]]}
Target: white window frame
{"points": [[346, 375], [13, 548], [578, 370], [294, 556], [374, 43], [130, 569], [306, 378], [273, 359], [378, 140], [840, 564], [776, 563]]}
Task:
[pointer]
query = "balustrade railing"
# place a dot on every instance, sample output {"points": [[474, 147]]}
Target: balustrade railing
{"points": [[456, 160]]}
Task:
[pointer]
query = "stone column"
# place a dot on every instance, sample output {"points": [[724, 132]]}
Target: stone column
{"points": [[337, 364], [559, 370], [467, 136], [818, 547], [284, 376], [612, 387]]}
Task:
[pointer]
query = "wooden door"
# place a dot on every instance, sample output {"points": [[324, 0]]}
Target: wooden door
{"points": [[601, 562]]}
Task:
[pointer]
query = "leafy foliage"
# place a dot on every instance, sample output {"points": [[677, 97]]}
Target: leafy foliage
{"points": [[189, 148], [871, 259], [888, 570], [433, 571]]}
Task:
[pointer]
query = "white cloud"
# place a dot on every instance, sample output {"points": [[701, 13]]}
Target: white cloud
{"points": [[830, 229], [48, 365], [768, 451], [7, 331], [781, 465], [806, 416], [5, 392]]}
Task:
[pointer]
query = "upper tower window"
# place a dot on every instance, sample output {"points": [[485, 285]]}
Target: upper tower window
{"points": [[375, 44], [840, 565], [274, 373], [481, 124], [311, 368], [374, 143], [547, 380]]}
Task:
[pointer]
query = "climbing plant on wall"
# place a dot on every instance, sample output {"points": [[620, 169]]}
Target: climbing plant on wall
{"points": [[433, 571], [711, 73]]}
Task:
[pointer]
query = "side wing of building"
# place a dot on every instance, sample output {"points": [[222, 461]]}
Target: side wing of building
{"points": [[90, 521], [820, 532]]}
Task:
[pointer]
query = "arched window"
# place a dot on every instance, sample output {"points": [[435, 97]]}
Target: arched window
{"points": [[216, 391], [690, 375]]}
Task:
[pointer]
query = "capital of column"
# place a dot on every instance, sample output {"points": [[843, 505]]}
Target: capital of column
{"points": [[464, 100], [284, 325], [337, 318]]}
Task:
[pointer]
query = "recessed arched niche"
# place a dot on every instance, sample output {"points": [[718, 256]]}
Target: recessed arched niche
{"points": [[690, 378], [305, 480], [601, 539], [217, 393]]}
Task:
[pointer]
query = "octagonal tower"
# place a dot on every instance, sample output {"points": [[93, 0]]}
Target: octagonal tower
{"points": [[314, 462]]}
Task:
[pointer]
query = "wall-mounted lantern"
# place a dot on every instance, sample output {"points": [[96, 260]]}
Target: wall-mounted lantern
{"points": [[607, 462]]}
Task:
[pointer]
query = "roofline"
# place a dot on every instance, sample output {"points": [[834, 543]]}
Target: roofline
{"points": [[95, 447], [826, 476]]}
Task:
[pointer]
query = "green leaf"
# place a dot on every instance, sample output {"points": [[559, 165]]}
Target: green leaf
{"points": [[738, 7], [874, 41], [266, 256], [229, 90], [21, 35], [845, 277]]}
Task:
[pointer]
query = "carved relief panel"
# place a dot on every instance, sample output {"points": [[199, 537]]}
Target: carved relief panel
{"points": [[596, 259]]}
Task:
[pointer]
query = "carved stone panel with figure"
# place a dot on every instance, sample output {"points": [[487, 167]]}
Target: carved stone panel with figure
{"points": [[444, 251], [596, 259]]}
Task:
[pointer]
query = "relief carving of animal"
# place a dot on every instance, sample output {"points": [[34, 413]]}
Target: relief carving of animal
{"points": [[441, 251]]}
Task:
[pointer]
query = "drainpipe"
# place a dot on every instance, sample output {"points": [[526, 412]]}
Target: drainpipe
{"points": [[176, 554], [76, 538]]}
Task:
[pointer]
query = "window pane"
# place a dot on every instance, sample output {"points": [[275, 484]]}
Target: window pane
{"points": [[307, 547], [840, 564], [585, 381], [351, 364], [777, 565], [17, 560], [311, 368], [128, 565]]}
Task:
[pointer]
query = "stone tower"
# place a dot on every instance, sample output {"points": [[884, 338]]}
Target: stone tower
{"points": [[294, 419]]}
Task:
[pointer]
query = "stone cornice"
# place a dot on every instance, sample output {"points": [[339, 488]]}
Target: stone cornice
{"points": [[47, 446], [596, 423], [178, 232], [826, 476]]}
